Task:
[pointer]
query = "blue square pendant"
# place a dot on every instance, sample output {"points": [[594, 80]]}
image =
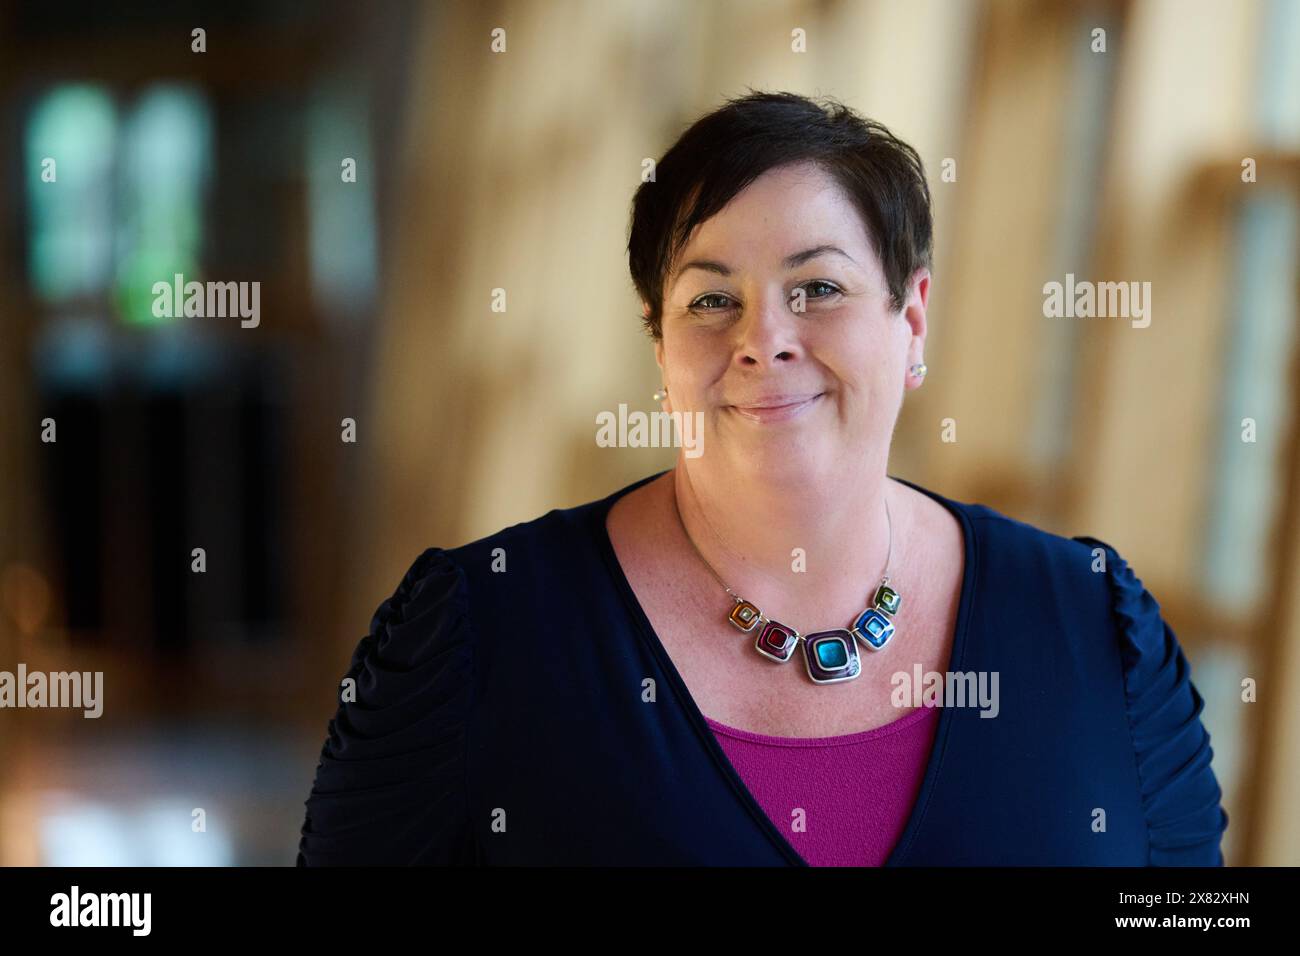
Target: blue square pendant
{"points": [[873, 628]]}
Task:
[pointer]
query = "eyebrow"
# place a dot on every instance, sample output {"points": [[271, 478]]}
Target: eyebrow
{"points": [[790, 261]]}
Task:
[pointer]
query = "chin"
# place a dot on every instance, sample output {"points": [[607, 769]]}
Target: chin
{"points": [[792, 460]]}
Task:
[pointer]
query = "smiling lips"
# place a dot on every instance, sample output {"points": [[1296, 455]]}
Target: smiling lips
{"points": [[776, 408]]}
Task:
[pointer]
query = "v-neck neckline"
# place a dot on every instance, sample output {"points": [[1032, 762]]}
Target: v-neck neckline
{"points": [[956, 658]]}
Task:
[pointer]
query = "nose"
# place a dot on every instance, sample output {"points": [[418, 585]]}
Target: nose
{"points": [[767, 334]]}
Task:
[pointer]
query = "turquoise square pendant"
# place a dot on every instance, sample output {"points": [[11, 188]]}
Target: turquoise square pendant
{"points": [[831, 656]]}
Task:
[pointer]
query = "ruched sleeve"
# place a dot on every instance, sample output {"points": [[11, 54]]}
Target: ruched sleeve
{"points": [[1180, 794], [390, 784]]}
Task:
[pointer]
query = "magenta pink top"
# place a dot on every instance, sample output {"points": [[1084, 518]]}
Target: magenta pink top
{"points": [[855, 791]]}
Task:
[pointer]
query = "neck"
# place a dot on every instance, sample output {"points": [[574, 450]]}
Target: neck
{"points": [[748, 529]]}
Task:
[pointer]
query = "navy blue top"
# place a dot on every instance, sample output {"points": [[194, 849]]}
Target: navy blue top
{"points": [[504, 718]]}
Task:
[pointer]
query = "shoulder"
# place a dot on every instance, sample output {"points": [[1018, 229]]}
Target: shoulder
{"points": [[1082, 573], [388, 787], [1007, 549], [528, 559], [554, 533], [390, 783], [1094, 582]]}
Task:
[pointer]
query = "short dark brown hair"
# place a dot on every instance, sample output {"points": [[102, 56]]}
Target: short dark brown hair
{"points": [[724, 151]]}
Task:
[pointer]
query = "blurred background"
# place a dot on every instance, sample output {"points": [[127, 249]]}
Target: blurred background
{"points": [[1171, 156]]}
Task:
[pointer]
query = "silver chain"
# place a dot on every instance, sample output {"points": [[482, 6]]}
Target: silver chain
{"points": [[889, 555]]}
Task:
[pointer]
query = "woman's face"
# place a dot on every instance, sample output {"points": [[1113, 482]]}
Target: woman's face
{"points": [[797, 394]]}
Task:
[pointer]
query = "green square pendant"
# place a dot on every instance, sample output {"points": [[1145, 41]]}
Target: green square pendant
{"points": [[887, 599]]}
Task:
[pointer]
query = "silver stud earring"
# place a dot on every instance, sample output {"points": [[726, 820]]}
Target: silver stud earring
{"points": [[918, 370], [660, 395]]}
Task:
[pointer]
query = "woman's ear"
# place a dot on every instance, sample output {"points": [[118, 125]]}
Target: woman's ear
{"points": [[923, 287], [918, 298]]}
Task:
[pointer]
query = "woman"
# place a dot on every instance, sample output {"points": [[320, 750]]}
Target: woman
{"points": [[774, 653]]}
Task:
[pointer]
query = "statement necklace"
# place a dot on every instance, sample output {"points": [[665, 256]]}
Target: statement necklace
{"points": [[829, 656]]}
